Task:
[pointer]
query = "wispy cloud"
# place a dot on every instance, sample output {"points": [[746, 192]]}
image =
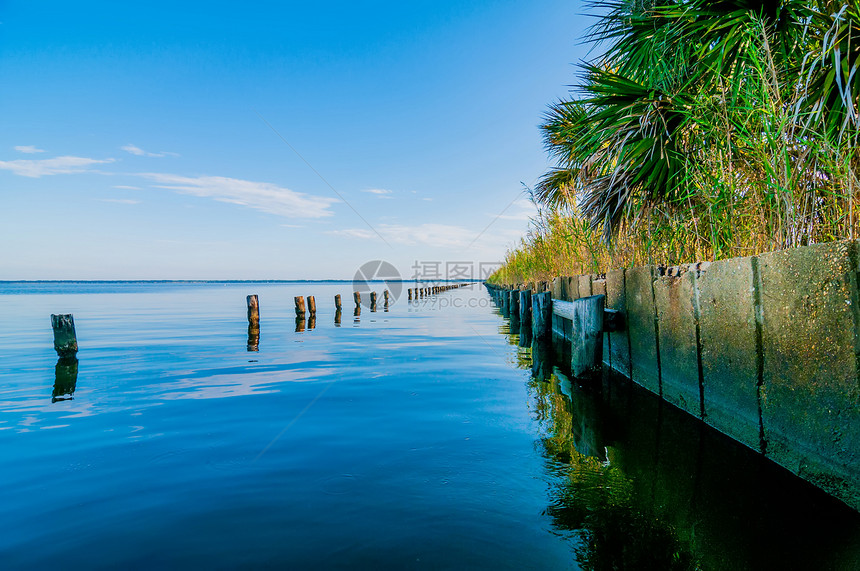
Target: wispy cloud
{"points": [[379, 192], [35, 168], [121, 200], [135, 150], [262, 196], [29, 149], [126, 187], [442, 235]]}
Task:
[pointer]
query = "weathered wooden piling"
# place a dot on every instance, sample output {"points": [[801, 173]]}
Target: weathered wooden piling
{"points": [[65, 339], [587, 334], [312, 305], [312, 321], [541, 314], [373, 298], [514, 303], [409, 293], [386, 295], [337, 304], [300, 306], [253, 309], [357, 297], [525, 306]]}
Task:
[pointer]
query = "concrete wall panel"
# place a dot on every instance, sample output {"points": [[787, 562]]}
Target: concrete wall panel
{"points": [[727, 328], [644, 359], [676, 319], [810, 397]]}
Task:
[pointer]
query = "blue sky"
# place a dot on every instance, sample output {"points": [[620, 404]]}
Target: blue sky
{"points": [[271, 140]]}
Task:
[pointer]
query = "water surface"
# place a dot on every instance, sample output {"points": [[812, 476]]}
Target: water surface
{"points": [[418, 437]]}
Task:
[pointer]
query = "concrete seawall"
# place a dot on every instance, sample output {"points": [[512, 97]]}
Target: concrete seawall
{"points": [[763, 349]]}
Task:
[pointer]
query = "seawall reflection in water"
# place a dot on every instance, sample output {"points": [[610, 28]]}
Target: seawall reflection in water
{"points": [[642, 485]]}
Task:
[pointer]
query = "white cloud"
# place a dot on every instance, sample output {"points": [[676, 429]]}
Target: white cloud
{"points": [[126, 187], [262, 196], [379, 192], [59, 165], [355, 233], [29, 149], [121, 200], [135, 150], [441, 235]]}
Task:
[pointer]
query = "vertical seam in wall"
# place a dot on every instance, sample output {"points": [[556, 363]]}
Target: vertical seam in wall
{"points": [[626, 327], [656, 336], [759, 349], [696, 319], [855, 302]]}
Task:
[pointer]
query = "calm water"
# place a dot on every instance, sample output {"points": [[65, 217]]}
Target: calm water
{"points": [[412, 438]]}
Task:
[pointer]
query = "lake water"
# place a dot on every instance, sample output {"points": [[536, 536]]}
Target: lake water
{"points": [[418, 437]]}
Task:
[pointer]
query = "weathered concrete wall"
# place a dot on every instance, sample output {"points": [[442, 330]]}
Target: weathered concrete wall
{"points": [[810, 395], [765, 349]]}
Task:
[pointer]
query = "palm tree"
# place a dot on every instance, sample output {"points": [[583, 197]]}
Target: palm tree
{"points": [[683, 81]]}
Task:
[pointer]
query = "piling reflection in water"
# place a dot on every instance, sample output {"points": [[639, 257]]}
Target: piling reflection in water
{"points": [[312, 321], [300, 323], [65, 379], [253, 337], [338, 313]]}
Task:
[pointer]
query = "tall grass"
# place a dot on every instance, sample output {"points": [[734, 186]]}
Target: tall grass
{"points": [[756, 163]]}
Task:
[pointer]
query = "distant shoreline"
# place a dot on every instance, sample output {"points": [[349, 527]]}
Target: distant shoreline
{"points": [[218, 281]]}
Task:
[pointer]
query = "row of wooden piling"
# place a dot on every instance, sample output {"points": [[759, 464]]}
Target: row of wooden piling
{"points": [[580, 323], [421, 292], [66, 343]]}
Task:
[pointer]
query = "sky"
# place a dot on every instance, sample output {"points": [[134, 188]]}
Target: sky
{"points": [[273, 140]]}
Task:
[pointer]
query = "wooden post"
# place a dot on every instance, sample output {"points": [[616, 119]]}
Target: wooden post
{"points": [[312, 321], [312, 305], [373, 301], [337, 304], [386, 295], [300, 306], [587, 332], [357, 297], [253, 309], [525, 306], [409, 292], [65, 340], [253, 323], [515, 304], [541, 314]]}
